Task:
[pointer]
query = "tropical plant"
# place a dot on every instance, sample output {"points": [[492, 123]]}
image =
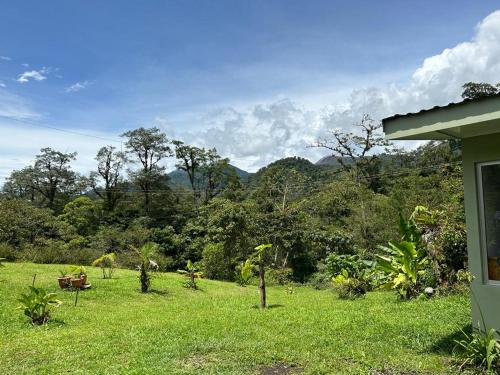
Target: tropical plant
{"points": [[404, 264], [349, 287], [78, 271], [107, 264], [479, 348], [259, 256], [193, 273], [146, 253], [36, 304], [244, 273]]}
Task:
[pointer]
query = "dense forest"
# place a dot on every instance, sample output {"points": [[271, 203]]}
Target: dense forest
{"points": [[214, 214]]}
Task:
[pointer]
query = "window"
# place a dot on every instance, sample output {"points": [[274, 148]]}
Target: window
{"points": [[489, 178]]}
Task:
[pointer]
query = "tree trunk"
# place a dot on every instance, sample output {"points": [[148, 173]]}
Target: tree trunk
{"points": [[262, 286]]}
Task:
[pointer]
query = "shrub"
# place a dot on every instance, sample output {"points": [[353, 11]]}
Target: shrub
{"points": [[107, 264], [145, 253], [215, 264], [8, 252], [349, 287], [36, 304], [192, 272], [279, 276]]}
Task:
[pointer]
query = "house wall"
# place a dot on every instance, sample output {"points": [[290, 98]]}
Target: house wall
{"points": [[486, 294]]}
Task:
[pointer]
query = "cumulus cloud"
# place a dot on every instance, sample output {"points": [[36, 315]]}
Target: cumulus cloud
{"points": [[75, 87], [35, 75], [262, 133]]}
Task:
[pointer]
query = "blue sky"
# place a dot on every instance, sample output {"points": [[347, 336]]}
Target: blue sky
{"points": [[188, 66]]}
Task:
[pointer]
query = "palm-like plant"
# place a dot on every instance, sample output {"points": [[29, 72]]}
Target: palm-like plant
{"points": [[403, 263], [107, 264], [193, 273], [146, 253], [36, 304]]}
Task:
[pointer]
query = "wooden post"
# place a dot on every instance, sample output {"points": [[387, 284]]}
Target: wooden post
{"points": [[262, 285]]}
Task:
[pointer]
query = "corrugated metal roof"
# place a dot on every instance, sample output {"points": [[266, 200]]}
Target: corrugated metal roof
{"points": [[449, 105]]}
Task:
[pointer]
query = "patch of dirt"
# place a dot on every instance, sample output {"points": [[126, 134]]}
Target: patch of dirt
{"points": [[280, 369], [389, 371]]}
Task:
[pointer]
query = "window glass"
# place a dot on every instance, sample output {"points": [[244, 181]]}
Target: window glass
{"points": [[490, 176]]}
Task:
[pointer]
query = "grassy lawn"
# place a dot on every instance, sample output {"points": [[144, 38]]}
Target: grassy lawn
{"points": [[217, 330]]}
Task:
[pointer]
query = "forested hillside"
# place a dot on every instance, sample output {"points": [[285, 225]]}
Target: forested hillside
{"points": [[214, 215]]}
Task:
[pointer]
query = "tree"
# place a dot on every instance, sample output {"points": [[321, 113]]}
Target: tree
{"points": [[358, 153], [50, 176], [191, 159], [82, 213], [473, 90], [110, 164], [149, 147], [214, 173], [146, 253]]}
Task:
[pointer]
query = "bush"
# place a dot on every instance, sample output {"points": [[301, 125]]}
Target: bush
{"points": [[279, 276], [321, 279], [349, 287], [214, 263], [8, 252]]}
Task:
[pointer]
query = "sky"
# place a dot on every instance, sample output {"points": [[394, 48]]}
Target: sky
{"points": [[258, 80]]}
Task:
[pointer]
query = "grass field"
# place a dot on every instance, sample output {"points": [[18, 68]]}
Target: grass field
{"points": [[218, 330]]}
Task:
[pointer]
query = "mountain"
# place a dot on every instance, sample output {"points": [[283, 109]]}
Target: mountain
{"points": [[180, 177]]}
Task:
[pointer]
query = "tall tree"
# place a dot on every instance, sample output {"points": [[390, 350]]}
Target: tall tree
{"points": [[215, 173], [149, 147], [110, 165], [191, 159], [473, 90], [359, 152], [49, 177]]}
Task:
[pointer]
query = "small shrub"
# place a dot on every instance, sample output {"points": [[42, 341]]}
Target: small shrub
{"points": [[279, 276], [192, 273], [36, 304], [145, 253], [349, 287], [480, 349], [107, 264], [8, 252], [320, 280]]}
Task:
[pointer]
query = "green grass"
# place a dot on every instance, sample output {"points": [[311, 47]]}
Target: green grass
{"points": [[218, 330]]}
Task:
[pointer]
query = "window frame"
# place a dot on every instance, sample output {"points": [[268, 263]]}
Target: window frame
{"points": [[482, 223]]}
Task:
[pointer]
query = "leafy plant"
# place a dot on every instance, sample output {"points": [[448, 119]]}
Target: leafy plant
{"points": [[259, 257], [480, 349], [349, 287], [77, 270], [244, 273], [192, 272], [404, 264], [146, 252], [36, 304], [107, 264]]}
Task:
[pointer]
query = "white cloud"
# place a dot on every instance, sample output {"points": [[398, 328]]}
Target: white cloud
{"points": [[5, 58], [75, 87], [3, 85], [36, 75], [258, 134]]}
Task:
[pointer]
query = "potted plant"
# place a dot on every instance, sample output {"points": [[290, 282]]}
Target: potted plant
{"points": [[80, 276], [64, 280]]}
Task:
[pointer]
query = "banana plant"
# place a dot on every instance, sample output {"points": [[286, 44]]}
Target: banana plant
{"points": [[245, 274], [193, 273], [403, 263], [36, 304]]}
